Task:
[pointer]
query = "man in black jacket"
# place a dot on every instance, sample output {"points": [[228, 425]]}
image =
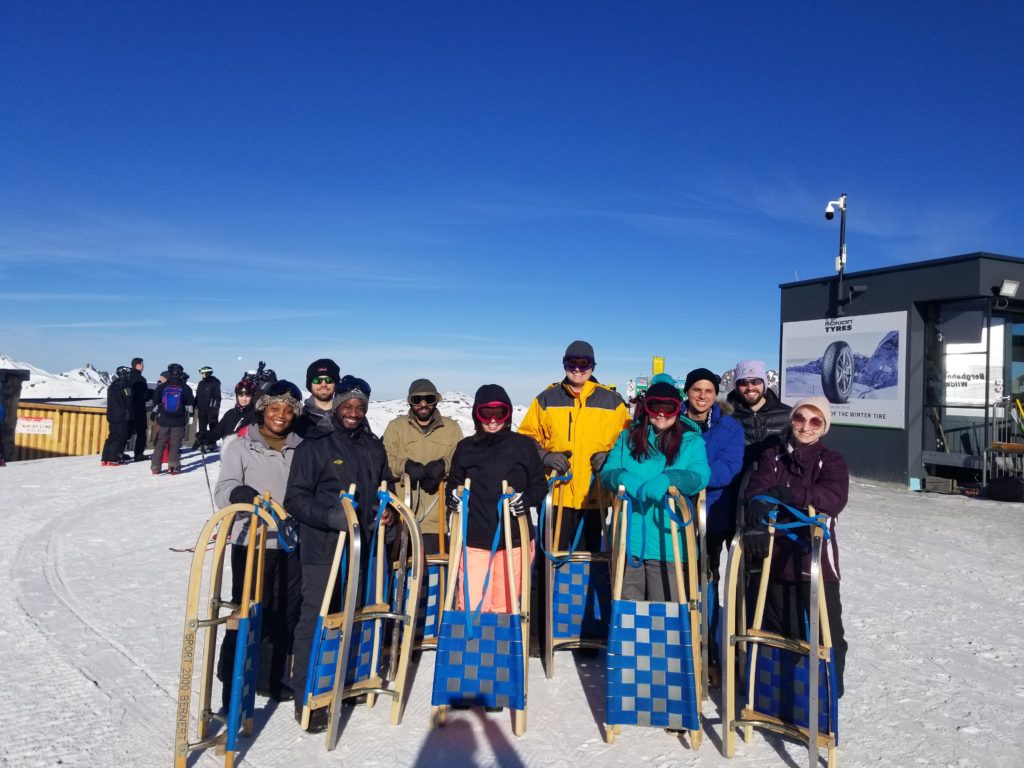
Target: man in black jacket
{"points": [[174, 402], [207, 407], [764, 417], [141, 395], [342, 450], [119, 413]]}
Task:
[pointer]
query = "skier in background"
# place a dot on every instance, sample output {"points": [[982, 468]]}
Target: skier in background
{"points": [[240, 416], [119, 414], [174, 402], [207, 407], [3, 461], [141, 395]]}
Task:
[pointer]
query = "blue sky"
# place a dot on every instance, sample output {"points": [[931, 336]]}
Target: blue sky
{"points": [[457, 190]]}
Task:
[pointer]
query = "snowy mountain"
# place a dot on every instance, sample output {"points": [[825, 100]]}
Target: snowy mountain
{"points": [[80, 382]]}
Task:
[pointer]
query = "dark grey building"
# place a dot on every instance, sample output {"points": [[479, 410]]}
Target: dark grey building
{"points": [[923, 362]]}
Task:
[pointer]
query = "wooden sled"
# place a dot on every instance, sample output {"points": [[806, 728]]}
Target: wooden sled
{"points": [[481, 657], [245, 617], [654, 657], [347, 658], [435, 569], [577, 585], [780, 671]]}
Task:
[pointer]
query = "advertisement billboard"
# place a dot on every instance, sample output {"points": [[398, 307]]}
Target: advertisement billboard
{"points": [[858, 363]]}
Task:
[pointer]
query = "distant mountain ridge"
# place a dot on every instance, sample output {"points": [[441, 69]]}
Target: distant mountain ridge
{"points": [[86, 381]]}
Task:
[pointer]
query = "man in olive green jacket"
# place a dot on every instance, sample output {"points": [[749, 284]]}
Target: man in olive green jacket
{"points": [[420, 444]]}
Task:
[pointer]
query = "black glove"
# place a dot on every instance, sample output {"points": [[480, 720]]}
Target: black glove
{"points": [[243, 494], [415, 471], [757, 513], [432, 474], [517, 505], [557, 460], [597, 461], [781, 493], [755, 543]]}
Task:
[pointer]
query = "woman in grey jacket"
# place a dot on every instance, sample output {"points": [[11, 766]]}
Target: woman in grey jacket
{"points": [[258, 463]]}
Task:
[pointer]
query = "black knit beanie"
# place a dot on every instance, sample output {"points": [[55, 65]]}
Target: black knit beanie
{"points": [[322, 367], [665, 391], [701, 374]]}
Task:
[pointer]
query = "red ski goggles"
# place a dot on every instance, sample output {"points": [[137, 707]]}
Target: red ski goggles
{"points": [[496, 411], [662, 406]]}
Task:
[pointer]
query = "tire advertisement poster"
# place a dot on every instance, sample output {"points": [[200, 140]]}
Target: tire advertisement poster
{"points": [[858, 363]]}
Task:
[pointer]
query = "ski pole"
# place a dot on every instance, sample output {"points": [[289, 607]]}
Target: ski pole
{"points": [[202, 453]]}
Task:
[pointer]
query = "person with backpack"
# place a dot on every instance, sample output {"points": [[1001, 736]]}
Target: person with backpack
{"points": [[207, 407], [119, 414], [174, 402]]}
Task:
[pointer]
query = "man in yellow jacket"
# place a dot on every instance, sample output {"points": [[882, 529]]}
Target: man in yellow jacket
{"points": [[574, 423]]}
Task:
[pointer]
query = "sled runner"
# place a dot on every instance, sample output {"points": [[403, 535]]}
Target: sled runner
{"points": [[480, 655], [428, 623], [654, 660], [266, 517], [781, 672], [347, 657], [577, 584]]}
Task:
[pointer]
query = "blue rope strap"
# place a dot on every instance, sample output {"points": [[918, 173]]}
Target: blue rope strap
{"points": [[471, 613], [559, 561], [802, 519], [287, 530]]}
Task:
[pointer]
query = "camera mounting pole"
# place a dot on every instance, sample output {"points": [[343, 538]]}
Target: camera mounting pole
{"points": [[841, 258]]}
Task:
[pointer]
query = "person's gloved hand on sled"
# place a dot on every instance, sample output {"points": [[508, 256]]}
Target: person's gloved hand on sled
{"points": [[433, 472], [243, 494], [557, 460], [755, 528]]}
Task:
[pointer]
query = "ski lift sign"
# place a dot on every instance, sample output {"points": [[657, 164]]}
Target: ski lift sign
{"points": [[857, 363]]}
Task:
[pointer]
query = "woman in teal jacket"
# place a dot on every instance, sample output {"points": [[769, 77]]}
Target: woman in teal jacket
{"points": [[662, 448]]}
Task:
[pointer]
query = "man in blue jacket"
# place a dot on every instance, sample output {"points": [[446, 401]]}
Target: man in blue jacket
{"points": [[723, 439]]}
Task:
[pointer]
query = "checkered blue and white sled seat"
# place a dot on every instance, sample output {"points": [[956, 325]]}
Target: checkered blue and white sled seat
{"points": [[428, 621], [348, 658], [481, 659], [781, 672], [200, 636], [654, 660], [577, 584]]}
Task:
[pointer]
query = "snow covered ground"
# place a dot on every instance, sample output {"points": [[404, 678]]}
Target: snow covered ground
{"points": [[91, 622]]}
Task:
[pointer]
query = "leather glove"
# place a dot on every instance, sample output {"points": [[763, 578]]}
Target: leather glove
{"points": [[452, 501], [415, 471], [755, 542], [243, 494], [597, 461], [517, 505], [557, 460], [433, 471]]}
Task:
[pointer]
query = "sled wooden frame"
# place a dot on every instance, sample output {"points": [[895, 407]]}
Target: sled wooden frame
{"points": [[218, 612], [553, 520], [685, 588], [439, 560], [752, 636], [346, 619], [439, 714]]}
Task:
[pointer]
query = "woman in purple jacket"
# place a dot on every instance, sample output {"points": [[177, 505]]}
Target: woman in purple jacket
{"points": [[800, 472]]}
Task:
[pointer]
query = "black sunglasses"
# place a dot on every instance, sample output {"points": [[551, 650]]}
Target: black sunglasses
{"points": [[417, 399]]}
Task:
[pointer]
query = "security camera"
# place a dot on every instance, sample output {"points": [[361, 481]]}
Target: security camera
{"points": [[830, 211]]}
